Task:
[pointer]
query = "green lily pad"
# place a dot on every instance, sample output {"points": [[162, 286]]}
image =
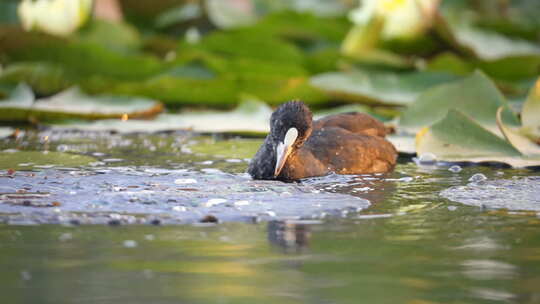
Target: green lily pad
{"points": [[458, 138], [45, 78], [403, 142], [228, 15], [26, 160], [72, 103], [522, 143], [114, 35], [377, 87], [475, 95], [250, 117], [82, 57], [491, 45], [530, 114]]}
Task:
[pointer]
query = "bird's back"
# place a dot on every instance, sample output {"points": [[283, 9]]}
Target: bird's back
{"points": [[358, 123]]}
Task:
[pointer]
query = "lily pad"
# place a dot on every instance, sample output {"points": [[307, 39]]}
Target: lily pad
{"points": [[475, 95], [44, 78], [458, 138], [26, 160], [377, 87], [491, 45], [72, 103], [530, 115], [522, 143], [251, 116]]}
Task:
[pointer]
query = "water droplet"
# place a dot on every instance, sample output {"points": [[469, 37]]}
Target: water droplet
{"points": [[233, 160], [241, 203], [214, 201], [478, 177], [179, 208], [425, 159], [271, 213], [65, 237], [406, 179], [130, 244], [455, 169], [185, 181], [25, 275], [62, 148]]}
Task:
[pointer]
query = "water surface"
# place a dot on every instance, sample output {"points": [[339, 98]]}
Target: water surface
{"points": [[410, 245]]}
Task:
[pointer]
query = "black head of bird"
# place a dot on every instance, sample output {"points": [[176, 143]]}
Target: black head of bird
{"points": [[290, 127]]}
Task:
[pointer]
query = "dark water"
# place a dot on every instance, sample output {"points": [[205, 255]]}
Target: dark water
{"points": [[410, 245]]}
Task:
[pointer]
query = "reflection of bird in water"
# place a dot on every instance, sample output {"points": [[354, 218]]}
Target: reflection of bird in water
{"points": [[297, 147], [292, 237]]}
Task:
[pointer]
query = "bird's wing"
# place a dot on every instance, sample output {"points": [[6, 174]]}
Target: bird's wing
{"points": [[350, 153], [358, 123]]}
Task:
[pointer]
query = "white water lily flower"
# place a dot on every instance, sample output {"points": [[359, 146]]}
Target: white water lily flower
{"points": [[55, 17], [402, 18]]}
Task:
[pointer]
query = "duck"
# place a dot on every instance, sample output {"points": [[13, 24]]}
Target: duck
{"points": [[298, 147]]}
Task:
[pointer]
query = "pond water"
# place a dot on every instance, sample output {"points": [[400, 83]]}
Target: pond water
{"points": [[131, 221]]}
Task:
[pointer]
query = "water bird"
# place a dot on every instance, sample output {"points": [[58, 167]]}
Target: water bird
{"points": [[298, 147]]}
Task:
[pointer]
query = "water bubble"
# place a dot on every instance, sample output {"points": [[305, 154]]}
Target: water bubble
{"points": [[241, 203], [130, 244], [455, 169], [185, 181], [271, 213], [233, 160], [478, 177], [406, 179], [214, 201], [25, 275], [65, 237], [425, 159], [179, 208], [62, 148]]}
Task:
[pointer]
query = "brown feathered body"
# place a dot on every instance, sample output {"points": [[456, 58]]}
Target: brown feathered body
{"points": [[350, 143]]}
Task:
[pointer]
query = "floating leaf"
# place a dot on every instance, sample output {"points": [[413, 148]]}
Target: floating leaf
{"points": [[44, 78], [251, 116], [522, 143], [457, 138], [17, 106], [378, 87], [404, 142], [491, 45], [25, 160], [475, 95], [81, 57], [114, 35], [457, 135], [230, 14], [530, 115], [72, 103]]}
